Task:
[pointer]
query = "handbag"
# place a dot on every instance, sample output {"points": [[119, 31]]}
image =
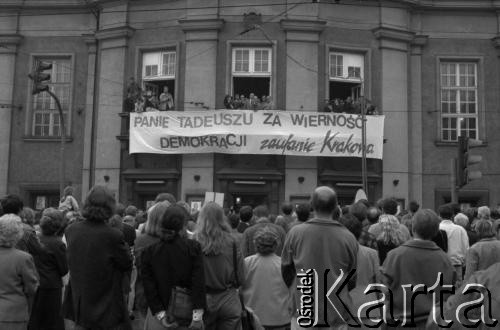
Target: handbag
{"points": [[181, 304]]}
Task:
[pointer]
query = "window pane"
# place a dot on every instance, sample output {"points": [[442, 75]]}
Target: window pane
{"points": [[45, 114], [241, 60]]}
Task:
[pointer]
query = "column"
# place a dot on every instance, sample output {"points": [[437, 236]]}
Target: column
{"points": [[415, 120], [7, 68], [89, 109], [200, 80], [394, 47], [112, 59], [302, 44]]}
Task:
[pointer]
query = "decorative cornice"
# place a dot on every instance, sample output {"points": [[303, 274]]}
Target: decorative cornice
{"points": [[91, 42], [10, 39], [496, 42], [211, 24], [297, 25], [115, 33], [393, 34]]}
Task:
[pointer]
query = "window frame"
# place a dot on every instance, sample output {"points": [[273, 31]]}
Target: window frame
{"points": [[479, 115], [345, 67], [162, 53], [251, 62], [366, 53], [30, 118]]}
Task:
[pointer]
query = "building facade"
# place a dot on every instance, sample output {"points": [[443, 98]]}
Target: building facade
{"points": [[431, 67]]}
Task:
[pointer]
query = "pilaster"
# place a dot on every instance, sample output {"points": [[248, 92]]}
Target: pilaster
{"points": [[113, 46], [415, 127], [394, 45], [201, 59], [8, 55], [302, 46]]}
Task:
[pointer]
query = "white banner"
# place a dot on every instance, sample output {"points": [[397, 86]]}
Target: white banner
{"points": [[295, 133]]}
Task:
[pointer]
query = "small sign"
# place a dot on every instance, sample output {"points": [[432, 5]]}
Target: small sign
{"points": [[211, 196], [195, 206], [41, 202]]}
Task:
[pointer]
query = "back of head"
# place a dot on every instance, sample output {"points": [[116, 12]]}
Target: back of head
{"points": [[261, 211], [483, 212], [471, 214], [28, 216], [165, 197], [11, 230], [445, 211], [390, 206], [413, 207], [12, 204], [153, 222], [234, 220], [425, 224], [115, 221], [52, 221], [353, 224], [287, 208], [246, 213], [373, 214], [390, 232], [131, 210], [324, 200], [213, 231], [484, 229], [185, 206], [266, 241], [359, 210], [172, 222], [120, 209], [461, 220], [495, 214], [303, 211], [99, 204]]}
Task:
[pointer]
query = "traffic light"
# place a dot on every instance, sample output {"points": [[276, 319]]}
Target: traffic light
{"points": [[465, 159], [39, 77]]}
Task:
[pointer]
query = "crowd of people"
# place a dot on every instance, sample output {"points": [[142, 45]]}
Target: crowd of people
{"points": [[221, 269], [139, 100], [252, 102], [350, 106]]}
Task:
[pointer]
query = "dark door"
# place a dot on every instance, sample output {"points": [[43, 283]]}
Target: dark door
{"points": [[252, 200]]}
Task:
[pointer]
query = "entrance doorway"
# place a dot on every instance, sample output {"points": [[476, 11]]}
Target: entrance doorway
{"points": [[252, 200]]}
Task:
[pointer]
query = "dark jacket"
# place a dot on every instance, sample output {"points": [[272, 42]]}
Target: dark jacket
{"points": [[415, 262], [52, 264], [29, 242], [129, 234], [97, 259], [168, 264]]}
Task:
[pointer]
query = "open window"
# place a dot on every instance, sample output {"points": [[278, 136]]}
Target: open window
{"points": [[346, 78], [158, 75], [251, 71]]}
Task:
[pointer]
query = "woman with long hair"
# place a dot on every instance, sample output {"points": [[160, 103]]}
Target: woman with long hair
{"points": [[223, 266], [151, 235], [174, 262], [390, 236]]}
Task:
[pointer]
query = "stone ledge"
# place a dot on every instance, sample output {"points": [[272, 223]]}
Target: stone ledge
{"points": [[382, 33], [10, 39], [115, 33]]}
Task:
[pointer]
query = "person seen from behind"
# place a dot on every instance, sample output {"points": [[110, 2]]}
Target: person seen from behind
{"points": [[174, 262]]}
